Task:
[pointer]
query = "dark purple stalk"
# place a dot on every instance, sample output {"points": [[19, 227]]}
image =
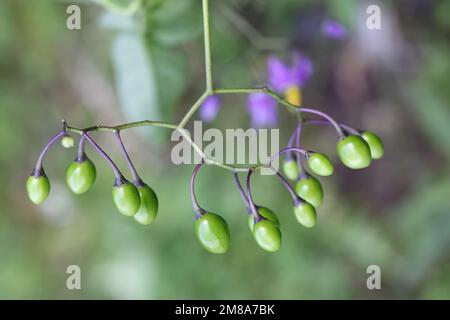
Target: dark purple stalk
{"points": [[289, 188], [136, 179], [327, 117], [288, 149], [242, 192], [198, 210], [81, 156], [290, 144], [343, 126], [119, 179], [254, 211], [38, 168]]}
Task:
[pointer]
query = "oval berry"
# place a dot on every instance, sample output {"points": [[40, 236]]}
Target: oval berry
{"points": [[310, 190], [320, 164], [375, 144], [38, 188], [354, 152], [266, 213], [149, 205], [290, 169], [80, 176], [211, 230], [267, 235], [126, 198], [306, 214]]}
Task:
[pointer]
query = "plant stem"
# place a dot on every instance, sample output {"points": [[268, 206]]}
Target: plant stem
{"points": [[298, 131], [254, 211], [343, 126], [38, 167], [288, 149], [242, 192], [119, 179], [207, 41], [289, 188], [193, 109], [198, 210], [136, 179], [81, 156]]}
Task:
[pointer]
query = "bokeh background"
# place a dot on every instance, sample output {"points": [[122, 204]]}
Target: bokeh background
{"points": [[149, 65]]}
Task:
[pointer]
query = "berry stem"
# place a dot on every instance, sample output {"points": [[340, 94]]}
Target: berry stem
{"points": [[290, 144], [38, 168], [288, 149], [289, 188], [242, 192], [136, 179], [326, 117], [117, 174], [207, 44], [197, 209], [254, 211], [298, 131], [343, 126], [81, 156]]}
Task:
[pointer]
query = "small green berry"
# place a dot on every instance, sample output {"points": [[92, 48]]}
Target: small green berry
{"points": [[375, 144], [266, 213], [149, 205], [80, 176], [126, 198], [38, 188], [310, 190], [212, 232], [306, 214], [290, 169], [267, 235], [320, 164], [67, 142], [354, 152]]}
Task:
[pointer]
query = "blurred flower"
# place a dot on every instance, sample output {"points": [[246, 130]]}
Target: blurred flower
{"points": [[333, 30], [262, 109], [289, 79], [210, 108]]}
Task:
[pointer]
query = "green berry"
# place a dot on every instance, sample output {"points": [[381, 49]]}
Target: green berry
{"points": [[38, 188], [126, 198], [267, 235], [80, 176], [67, 142], [213, 233], [354, 152], [149, 205], [375, 144], [306, 214], [290, 169], [310, 190], [320, 164], [266, 213]]}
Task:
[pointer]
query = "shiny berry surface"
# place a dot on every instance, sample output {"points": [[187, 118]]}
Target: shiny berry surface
{"points": [[38, 188], [80, 176], [306, 214], [211, 230], [320, 164], [310, 190], [149, 205], [266, 213], [126, 198], [267, 235], [375, 144]]}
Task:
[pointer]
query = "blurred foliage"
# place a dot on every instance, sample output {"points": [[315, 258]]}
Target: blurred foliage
{"points": [[149, 64]]}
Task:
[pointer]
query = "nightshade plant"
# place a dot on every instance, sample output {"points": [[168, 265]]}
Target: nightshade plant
{"points": [[355, 148]]}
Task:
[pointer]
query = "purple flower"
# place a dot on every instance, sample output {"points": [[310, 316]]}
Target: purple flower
{"points": [[333, 30], [281, 76], [210, 108], [262, 109]]}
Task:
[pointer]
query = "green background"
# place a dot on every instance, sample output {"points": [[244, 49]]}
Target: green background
{"points": [[117, 68]]}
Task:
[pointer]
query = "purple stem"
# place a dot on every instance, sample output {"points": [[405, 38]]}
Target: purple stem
{"points": [[136, 179], [325, 116], [298, 131], [38, 168], [242, 192], [119, 179], [343, 126], [288, 149], [195, 205], [289, 156], [254, 211], [289, 188], [81, 156]]}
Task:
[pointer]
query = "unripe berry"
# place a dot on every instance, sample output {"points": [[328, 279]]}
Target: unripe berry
{"points": [[306, 214], [149, 205], [290, 169], [80, 176], [375, 144], [320, 164], [126, 198], [354, 152], [310, 190], [212, 232], [67, 142], [267, 235], [38, 188], [266, 213]]}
